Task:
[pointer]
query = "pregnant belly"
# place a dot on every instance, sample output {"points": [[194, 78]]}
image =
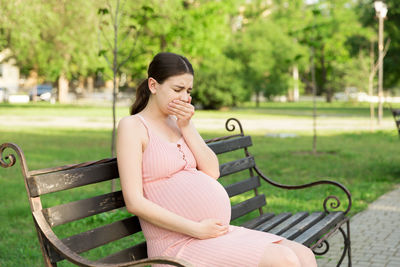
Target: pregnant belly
{"points": [[191, 194]]}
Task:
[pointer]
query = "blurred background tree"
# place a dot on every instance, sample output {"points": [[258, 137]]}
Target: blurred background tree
{"points": [[239, 48], [53, 39], [392, 30]]}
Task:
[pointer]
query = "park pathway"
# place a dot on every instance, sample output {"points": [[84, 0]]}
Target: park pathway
{"points": [[375, 236], [266, 124]]}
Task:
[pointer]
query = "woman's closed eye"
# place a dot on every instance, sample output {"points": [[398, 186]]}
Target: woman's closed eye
{"points": [[180, 90]]}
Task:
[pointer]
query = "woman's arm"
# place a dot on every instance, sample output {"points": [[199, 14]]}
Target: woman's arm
{"points": [[132, 135], [206, 159]]}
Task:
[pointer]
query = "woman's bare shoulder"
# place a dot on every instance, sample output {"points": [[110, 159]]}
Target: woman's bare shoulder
{"points": [[132, 126]]}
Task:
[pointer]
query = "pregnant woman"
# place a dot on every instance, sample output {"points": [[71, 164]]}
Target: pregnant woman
{"points": [[169, 180]]}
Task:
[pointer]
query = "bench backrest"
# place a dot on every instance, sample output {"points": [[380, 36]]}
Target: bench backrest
{"points": [[396, 117], [47, 182]]}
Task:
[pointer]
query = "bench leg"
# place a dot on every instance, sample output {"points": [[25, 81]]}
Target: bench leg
{"points": [[347, 245]]}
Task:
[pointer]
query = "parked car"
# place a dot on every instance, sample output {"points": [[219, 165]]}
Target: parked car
{"points": [[44, 92]]}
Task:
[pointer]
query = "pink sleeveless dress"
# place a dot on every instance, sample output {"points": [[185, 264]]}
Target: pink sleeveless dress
{"points": [[171, 180]]}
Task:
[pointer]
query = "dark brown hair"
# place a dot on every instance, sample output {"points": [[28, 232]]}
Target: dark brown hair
{"points": [[163, 66]]}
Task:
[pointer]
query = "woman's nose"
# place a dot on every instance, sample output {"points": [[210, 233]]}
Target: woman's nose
{"points": [[185, 97]]}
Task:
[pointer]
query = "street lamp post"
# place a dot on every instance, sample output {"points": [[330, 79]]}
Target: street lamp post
{"points": [[381, 11]]}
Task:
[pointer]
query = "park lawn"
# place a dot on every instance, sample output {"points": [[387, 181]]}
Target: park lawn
{"points": [[300, 109], [364, 162]]}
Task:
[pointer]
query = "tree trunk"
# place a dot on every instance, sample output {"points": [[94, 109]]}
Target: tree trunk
{"points": [[293, 93], [322, 85], [314, 85], [90, 84], [81, 89], [163, 43], [258, 99], [371, 87], [329, 94], [32, 83], [296, 92], [63, 88]]}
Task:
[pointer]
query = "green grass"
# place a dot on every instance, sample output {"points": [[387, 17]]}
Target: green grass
{"points": [[366, 163], [304, 109]]}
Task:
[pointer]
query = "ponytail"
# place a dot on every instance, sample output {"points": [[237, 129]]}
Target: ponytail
{"points": [[142, 97]]}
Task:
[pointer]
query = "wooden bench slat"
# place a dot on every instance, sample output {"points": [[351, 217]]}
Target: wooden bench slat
{"points": [[266, 226], [103, 235], [83, 208], [282, 227], [236, 166], [303, 225], [320, 227], [247, 206], [243, 186], [136, 252], [258, 220], [62, 180], [223, 146]]}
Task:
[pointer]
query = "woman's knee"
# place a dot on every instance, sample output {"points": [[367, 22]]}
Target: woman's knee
{"points": [[291, 259], [304, 254], [308, 252], [276, 255]]}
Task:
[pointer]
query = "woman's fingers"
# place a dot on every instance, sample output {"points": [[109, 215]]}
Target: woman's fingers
{"points": [[221, 227], [181, 109], [178, 104]]}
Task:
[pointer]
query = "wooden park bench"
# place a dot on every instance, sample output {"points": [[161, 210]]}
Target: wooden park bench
{"points": [[310, 229]]}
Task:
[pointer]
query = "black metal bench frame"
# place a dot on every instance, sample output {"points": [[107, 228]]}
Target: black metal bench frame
{"points": [[312, 230], [396, 116]]}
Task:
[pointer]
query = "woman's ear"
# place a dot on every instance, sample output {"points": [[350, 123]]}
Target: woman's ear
{"points": [[152, 83]]}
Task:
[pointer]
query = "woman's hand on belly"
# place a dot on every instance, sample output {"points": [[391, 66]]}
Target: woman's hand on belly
{"points": [[209, 228]]}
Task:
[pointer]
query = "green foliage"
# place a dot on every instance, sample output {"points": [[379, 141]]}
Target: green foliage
{"points": [[51, 37], [238, 47], [267, 55], [218, 83], [328, 32]]}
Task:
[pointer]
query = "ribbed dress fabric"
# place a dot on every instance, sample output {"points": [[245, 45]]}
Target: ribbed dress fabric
{"points": [[171, 180]]}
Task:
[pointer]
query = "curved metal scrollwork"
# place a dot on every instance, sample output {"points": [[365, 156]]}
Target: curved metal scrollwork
{"points": [[230, 126], [334, 204], [9, 160], [324, 245], [3, 160]]}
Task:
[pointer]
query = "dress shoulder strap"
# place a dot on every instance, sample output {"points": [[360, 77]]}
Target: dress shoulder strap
{"points": [[144, 123]]}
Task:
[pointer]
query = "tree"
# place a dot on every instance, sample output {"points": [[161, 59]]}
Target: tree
{"points": [[329, 30], [392, 31], [202, 38], [267, 54], [115, 16], [56, 39]]}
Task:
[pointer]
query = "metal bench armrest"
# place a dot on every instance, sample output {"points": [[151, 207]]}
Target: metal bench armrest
{"points": [[334, 205], [75, 258]]}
